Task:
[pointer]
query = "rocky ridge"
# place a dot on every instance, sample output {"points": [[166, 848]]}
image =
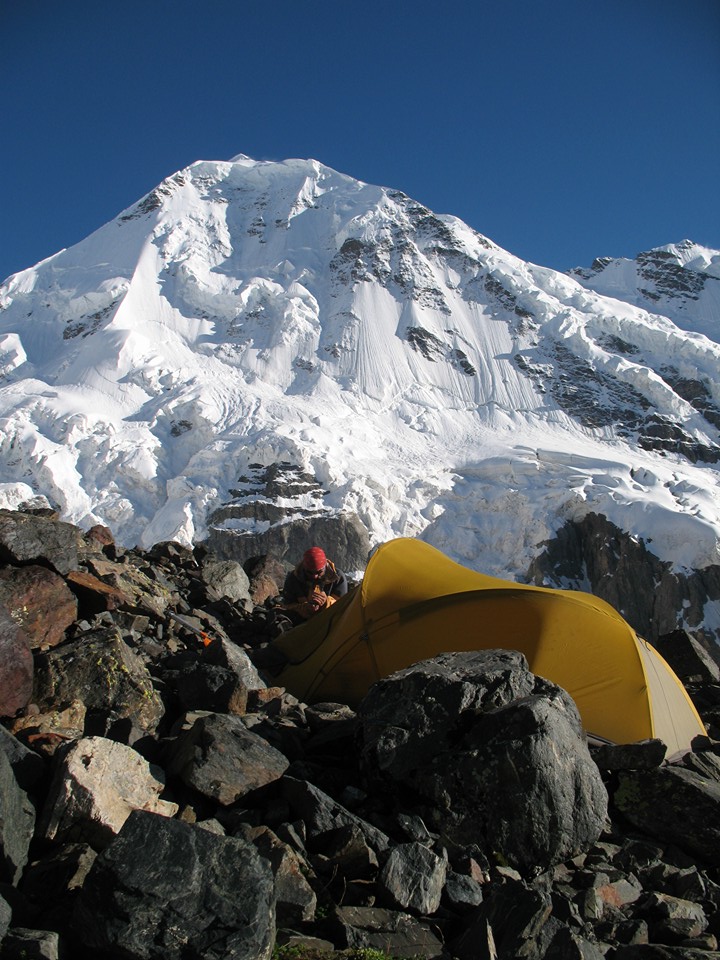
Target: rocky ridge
{"points": [[159, 797]]}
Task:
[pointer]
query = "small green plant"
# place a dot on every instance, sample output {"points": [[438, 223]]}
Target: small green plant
{"points": [[300, 952], [366, 953]]}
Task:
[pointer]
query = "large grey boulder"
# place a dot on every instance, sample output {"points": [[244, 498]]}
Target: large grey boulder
{"points": [[16, 666], [676, 804], [687, 657], [223, 653], [225, 578], [95, 788], [295, 900], [40, 601], [101, 671], [17, 824], [223, 760], [507, 924], [207, 686], [343, 536], [413, 878], [22, 943], [25, 538], [5, 917], [390, 932], [27, 766], [170, 890], [323, 816], [496, 756], [51, 885]]}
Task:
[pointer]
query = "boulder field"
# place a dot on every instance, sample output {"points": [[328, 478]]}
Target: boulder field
{"points": [[160, 797]]}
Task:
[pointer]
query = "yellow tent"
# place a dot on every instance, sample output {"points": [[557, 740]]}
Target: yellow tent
{"points": [[414, 603]]}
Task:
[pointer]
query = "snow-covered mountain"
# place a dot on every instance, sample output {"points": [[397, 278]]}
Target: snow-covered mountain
{"points": [[249, 319], [677, 280]]}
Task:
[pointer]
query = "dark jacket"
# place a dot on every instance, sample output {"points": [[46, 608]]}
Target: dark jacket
{"points": [[298, 588]]}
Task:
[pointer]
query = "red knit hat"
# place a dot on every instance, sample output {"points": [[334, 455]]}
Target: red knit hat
{"points": [[314, 560]]}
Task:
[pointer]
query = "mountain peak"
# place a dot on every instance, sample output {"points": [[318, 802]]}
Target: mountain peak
{"points": [[670, 279]]}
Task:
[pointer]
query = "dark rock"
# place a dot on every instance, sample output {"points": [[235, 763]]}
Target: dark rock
{"points": [[672, 920], [94, 595], [687, 884], [706, 763], [616, 893], [394, 933], [321, 715], [593, 554], [177, 553], [643, 755], [17, 824], [496, 756], [674, 805], [507, 924], [461, 893], [221, 759], [281, 727], [226, 654], [267, 576], [568, 945], [144, 594], [102, 537], [657, 951], [348, 853], [207, 686], [46, 733], [101, 671], [637, 855], [302, 944], [295, 900], [269, 700], [5, 917], [27, 765], [32, 539], [40, 602], [686, 656], [436, 695], [16, 666], [321, 814], [168, 889], [413, 878], [52, 884], [24, 944], [225, 579]]}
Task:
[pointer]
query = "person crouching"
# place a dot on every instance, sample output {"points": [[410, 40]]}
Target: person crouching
{"points": [[312, 586]]}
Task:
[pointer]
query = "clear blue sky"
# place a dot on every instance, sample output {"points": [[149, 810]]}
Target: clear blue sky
{"points": [[561, 129]]}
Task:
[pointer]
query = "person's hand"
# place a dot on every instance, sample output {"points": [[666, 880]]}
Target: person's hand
{"points": [[318, 601], [312, 605]]}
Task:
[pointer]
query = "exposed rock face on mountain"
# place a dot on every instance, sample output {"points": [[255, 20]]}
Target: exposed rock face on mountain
{"points": [[594, 555], [459, 813]]}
